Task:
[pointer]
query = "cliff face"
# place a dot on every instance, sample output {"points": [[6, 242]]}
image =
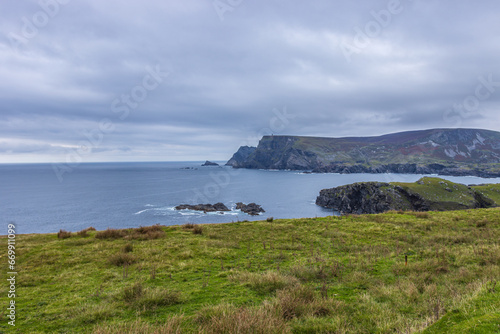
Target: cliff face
{"points": [[241, 156], [437, 151], [280, 152], [369, 197], [424, 195]]}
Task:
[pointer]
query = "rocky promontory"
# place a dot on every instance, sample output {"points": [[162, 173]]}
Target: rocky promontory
{"points": [[238, 159], [426, 194]]}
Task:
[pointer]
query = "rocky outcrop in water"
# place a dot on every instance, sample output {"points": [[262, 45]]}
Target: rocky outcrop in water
{"points": [[203, 207], [210, 163], [251, 209]]}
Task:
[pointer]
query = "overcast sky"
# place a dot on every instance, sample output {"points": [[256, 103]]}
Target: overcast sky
{"points": [[112, 80]]}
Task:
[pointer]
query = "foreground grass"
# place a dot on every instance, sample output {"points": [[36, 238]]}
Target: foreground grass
{"points": [[324, 275]]}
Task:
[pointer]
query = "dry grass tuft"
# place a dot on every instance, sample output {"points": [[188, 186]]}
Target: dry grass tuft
{"points": [[148, 229], [422, 215], [153, 298], [197, 229], [110, 233], [172, 325], [147, 232], [265, 283], [133, 293], [84, 232], [127, 248], [293, 302], [62, 234], [139, 297], [226, 318], [121, 259], [188, 226], [482, 223]]}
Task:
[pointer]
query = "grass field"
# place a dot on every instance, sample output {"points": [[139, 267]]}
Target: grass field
{"points": [[318, 275]]}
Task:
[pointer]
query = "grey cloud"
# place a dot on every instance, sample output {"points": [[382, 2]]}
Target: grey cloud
{"points": [[226, 77]]}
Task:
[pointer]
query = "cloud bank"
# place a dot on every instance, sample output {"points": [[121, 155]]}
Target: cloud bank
{"points": [[193, 80]]}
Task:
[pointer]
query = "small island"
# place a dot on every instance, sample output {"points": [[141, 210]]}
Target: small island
{"points": [[210, 163]]}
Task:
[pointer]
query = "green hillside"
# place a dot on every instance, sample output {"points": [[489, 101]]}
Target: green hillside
{"points": [[325, 275]]}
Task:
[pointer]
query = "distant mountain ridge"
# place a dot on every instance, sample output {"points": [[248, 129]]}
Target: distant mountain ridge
{"points": [[435, 151]]}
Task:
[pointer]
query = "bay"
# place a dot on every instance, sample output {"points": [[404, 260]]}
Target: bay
{"points": [[122, 195]]}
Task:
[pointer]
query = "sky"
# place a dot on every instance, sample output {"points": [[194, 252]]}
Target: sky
{"points": [[165, 80]]}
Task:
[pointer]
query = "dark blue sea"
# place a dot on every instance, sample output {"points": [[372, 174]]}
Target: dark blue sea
{"points": [[121, 195]]}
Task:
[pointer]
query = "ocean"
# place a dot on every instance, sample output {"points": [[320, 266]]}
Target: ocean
{"points": [[123, 195]]}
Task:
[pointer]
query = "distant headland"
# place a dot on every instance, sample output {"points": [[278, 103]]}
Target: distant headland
{"points": [[458, 152]]}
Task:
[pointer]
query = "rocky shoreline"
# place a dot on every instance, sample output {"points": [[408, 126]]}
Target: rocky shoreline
{"points": [[436, 169]]}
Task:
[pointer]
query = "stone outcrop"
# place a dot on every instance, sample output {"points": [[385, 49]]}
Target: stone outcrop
{"points": [[251, 209], [203, 207], [210, 163], [370, 197]]}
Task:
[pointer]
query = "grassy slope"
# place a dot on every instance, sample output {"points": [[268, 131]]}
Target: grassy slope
{"points": [[71, 285], [446, 195], [491, 191]]}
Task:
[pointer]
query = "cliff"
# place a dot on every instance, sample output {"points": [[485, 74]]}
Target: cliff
{"points": [[436, 151], [238, 159], [424, 195]]}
